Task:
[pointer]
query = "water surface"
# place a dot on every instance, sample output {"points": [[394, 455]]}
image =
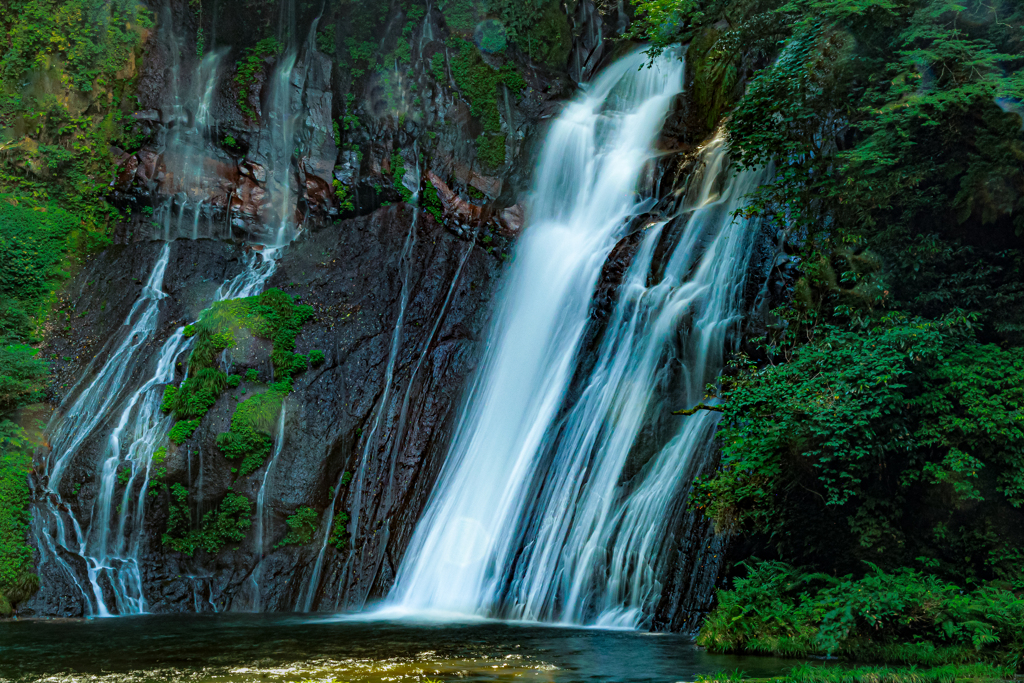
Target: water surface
{"points": [[230, 648]]}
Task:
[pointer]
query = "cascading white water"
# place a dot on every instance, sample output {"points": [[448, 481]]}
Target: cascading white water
{"points": [[111, 544], [551, 511], [589, 169], [116, 396], [278, 138]]}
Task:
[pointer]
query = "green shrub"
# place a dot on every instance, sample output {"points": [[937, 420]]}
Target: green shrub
{"points": [[170, 394], [301, 527], [339, 534], [228, 522], [34, 241], [196, 395], [490, 149], [15, 324], [904, 616], [251, 375], [234, 380], [316, 357], [247, 68], [344, 196], [923, 402], [182, 430]]}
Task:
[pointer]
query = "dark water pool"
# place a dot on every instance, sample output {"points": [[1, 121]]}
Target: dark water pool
{"points": [[271, 648]]}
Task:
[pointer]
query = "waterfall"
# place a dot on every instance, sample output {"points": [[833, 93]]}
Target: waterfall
{"points": [[279, 142], [553, 504], [111, 545], [110, 581]]}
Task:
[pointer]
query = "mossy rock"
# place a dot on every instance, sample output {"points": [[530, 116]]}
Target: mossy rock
{"points": [[549, 40], [714, 75]]}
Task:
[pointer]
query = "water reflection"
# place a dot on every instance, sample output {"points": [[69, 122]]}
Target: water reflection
{"points": [[229, 648]]}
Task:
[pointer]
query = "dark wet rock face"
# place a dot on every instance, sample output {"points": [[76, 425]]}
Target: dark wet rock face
{"points": [[352, 274]]}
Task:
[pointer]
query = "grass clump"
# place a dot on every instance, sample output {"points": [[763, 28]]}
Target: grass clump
{"points": [[226, 523], [182, 430], [316, 357], [251, 426], [301, 527], [251, 375], [196, 395]]}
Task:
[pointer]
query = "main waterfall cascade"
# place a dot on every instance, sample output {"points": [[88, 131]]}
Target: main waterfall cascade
{"points": [[555, 511]]}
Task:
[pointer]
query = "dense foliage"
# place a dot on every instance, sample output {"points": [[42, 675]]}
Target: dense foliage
{"points": [[17, 582], [301, 527], [812, 673], [66, 94], [898, 444], [879, 418], [904, 616]]}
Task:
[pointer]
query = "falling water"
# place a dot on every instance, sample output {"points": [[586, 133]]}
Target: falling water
{"points": [[111, 544], [191, 177], [278, 139], [550, 511]]}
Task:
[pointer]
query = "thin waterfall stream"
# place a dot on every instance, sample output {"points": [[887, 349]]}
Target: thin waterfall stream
{"points": [[110, 579]]}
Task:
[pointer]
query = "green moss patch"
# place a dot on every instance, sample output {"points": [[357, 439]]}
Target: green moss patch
{"points": [[249, 438], [272, 315], [478, 82]]}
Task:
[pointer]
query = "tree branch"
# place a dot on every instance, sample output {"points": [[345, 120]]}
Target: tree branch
{"points": [[699, 406]]}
